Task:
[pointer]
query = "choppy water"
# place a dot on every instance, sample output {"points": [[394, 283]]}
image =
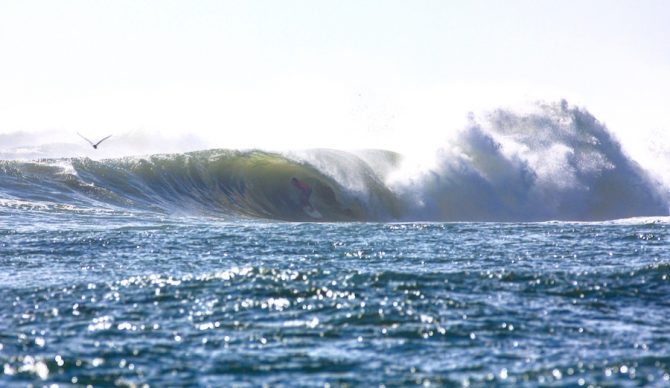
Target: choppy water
{"points": [[181, 270], [124, 299]]}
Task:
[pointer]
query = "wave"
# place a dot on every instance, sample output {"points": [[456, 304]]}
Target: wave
{"points": [[554, 163], [225, 183]]}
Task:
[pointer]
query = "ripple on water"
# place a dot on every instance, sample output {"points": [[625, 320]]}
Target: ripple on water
{"points": [[354, 303]]}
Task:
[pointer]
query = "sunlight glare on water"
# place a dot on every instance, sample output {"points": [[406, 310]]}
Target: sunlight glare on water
{"points": [[313, 304]]}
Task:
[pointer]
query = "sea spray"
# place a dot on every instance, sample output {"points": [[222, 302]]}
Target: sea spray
{"points": [[556, 162]]}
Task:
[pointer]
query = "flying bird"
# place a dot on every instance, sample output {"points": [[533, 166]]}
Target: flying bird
{"points": [[95, 145]]}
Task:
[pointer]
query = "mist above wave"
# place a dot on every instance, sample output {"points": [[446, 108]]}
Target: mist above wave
{"points": [[22, 145], [553, 162]]}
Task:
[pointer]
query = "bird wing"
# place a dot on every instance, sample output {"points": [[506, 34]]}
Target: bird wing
{"points": [[103, 139], [82, 136]]}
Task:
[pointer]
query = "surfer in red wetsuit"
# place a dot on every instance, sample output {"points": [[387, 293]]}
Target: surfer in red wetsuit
{"points": [[305, 192]]}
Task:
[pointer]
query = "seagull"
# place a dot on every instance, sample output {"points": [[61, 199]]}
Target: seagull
{"points": [[95, 145]]}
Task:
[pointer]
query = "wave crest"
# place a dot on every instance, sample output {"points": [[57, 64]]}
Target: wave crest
{"points": [[555, 162]]}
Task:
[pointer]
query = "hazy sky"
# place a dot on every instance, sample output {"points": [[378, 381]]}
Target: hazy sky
{"points": [[314, 73]]}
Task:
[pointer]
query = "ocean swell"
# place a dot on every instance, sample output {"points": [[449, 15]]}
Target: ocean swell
{"points": [[554, 163]]}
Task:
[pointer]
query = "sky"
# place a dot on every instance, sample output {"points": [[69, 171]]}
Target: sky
{"points": [[343, 74]]}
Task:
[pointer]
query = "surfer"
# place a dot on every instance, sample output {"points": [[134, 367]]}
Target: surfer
{"points": [[305, 192], [95, 145]]}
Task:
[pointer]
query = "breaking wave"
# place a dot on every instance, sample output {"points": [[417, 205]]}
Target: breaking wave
{"points": [[554, 163]]}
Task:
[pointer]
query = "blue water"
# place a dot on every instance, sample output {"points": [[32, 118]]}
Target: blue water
{"points": [[114, 298], [531, 250]]}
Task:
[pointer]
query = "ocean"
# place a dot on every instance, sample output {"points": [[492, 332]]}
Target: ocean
{"points": [[126, 300], [532, 251]]}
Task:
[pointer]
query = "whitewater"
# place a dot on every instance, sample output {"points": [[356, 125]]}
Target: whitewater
{"points": [[529, 247]]}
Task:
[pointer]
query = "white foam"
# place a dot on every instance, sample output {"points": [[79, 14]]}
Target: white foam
{"points": [[552, 162]]}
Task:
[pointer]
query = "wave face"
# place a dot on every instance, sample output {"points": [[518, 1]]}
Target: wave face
{"points": [[221, 183], [555, 163]]}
